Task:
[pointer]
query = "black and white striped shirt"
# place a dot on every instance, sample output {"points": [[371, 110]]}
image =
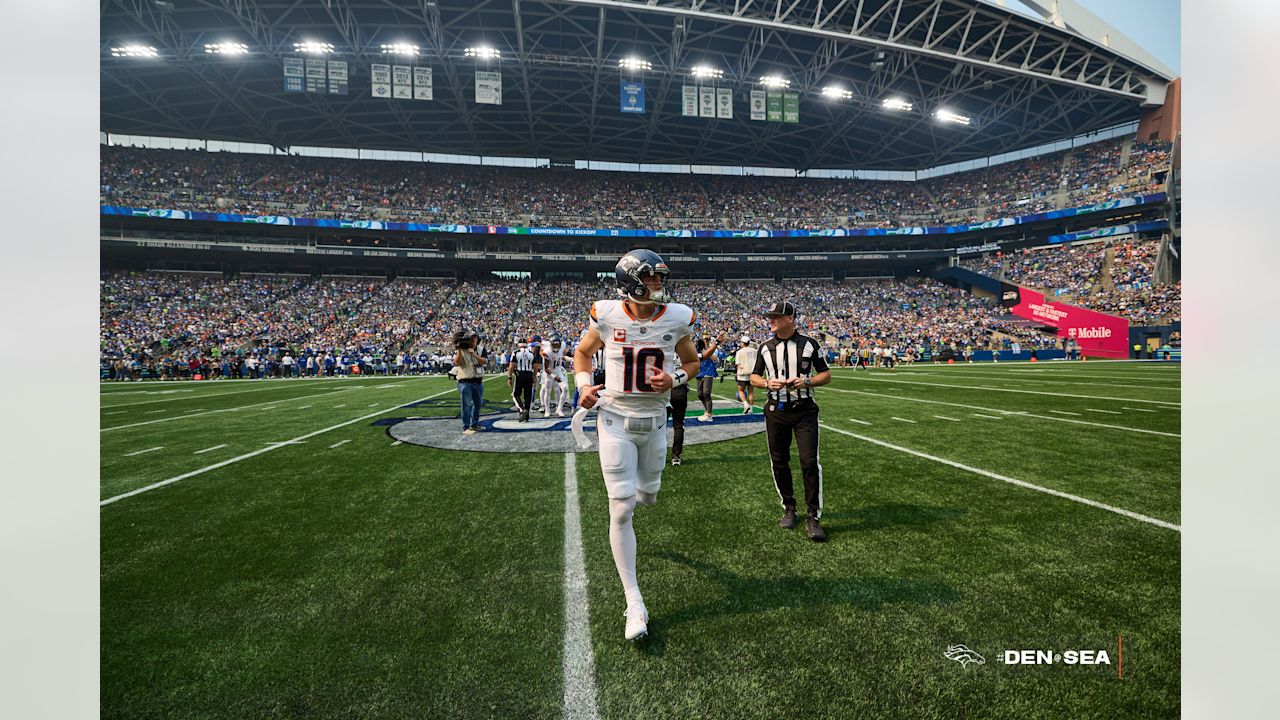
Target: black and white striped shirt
{"points": [[797, 356], [525, 360]]}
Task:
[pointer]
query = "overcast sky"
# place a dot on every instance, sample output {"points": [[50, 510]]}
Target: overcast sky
{"points": [[1156, 25]]}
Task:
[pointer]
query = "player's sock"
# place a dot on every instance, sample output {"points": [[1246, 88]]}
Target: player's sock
{"points": [[622, 539]]}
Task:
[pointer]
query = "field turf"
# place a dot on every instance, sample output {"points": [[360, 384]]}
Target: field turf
{"points": [[269, 551]]}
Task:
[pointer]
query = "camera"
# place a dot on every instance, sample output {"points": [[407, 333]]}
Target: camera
{"points": [[464, 339]]}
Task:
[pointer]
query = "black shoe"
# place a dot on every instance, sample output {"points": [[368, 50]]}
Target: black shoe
{"points": [[788, 520], [477, 427], [814, 529]]}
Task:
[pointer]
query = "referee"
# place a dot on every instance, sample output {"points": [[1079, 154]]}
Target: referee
{"points": [[520, 372], [790, 365]]}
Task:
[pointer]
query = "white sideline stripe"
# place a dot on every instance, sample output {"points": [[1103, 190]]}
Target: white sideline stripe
{"points": [[340, 442], [1140, 410], [944, 417], [1064, 412], [989, 417], [1011, 390], [139, 452], [1013, 481], [114, 413], [266, 449], [1019, 413], [1076, 380], [210, 412], [215, 447], [106, 385], [860, 422], [913, 422], [1109, 412], [579, 660]]}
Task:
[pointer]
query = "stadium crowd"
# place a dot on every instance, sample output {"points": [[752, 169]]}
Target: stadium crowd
{"points": [[490, 195]]}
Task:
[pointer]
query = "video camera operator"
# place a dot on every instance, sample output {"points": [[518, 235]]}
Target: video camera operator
{"points": [[469, 360]]}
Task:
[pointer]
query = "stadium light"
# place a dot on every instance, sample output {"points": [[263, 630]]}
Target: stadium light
{"points": [[399, 49], [775, 81], [950, 116], [313, 47], [134, 51], [227, 48], [483, 52], [634, 63], [896, 103], [706, 71], [835, 92]]}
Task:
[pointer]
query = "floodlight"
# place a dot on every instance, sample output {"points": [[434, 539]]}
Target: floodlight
{"points": [[835, 92], [312, 47], [134, 51], [706, 71], [634, 63], [950, 116], [896, 103], [483, 52], [775, 81], [226, 48], [399, 49]]}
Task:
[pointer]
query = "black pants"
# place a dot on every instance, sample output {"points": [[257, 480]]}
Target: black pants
{"points": [[679, 404], [705, 387], [523, 392], [801, 420]]}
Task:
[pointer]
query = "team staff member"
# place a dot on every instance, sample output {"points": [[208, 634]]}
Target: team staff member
{"points": [[744, 362], [520, 373], [679, 404], [790, 365], [708, 371]]}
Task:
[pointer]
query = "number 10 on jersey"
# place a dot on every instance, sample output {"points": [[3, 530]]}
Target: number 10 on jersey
{"points": [[635, 368]]}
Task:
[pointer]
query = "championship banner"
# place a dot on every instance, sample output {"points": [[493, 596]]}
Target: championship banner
{"points": [[706, 102], [773, 105], [401, 82], [488, 88], [724, 103], [791, 107], [632, 97], [294, 73], [337, 77], [316, 76], [1096, 334], [422, 89], [757, 105], [689, 100], [381, 75]]}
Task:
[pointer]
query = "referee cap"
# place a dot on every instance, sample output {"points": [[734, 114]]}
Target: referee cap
{"points": [[780, 308]]}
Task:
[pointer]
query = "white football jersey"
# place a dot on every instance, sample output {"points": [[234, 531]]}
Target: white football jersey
{"points": [[553, 360], [632, 346]]}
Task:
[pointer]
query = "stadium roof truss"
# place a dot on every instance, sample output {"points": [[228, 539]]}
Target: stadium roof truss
{"points": [[1023, 82]]}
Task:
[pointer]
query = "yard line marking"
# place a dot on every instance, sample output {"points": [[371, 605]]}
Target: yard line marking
{"points": [[304, 407], [1011, 390], [211, 412], [1140, 410], [1019, 413], [398, 442], [215, 447], [340, 442], [944, 417], [913, 422], [1074, 380], [1013, 481], [288, 442], [267, 449], [579, 660], [1064, 412], [271, 407], [335, 407], [114, 413], [153, 412], [373, 404], [1109, 412], [989, 417], [193, 397], [139, 452], [860, 422]]}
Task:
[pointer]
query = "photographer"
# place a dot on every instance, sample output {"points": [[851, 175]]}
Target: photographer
{"points": [[469, 361]]}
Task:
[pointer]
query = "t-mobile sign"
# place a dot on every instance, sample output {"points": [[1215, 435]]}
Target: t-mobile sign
{"points": [[1096, 334]]}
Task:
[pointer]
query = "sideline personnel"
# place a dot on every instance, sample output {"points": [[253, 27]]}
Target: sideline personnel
{"points": [[790, 365]]}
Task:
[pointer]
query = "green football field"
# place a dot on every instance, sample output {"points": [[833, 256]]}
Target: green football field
{"points": [[269, 551]]}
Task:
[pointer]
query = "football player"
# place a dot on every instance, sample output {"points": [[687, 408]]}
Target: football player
{"points": [[642, 335], [553, 382]]}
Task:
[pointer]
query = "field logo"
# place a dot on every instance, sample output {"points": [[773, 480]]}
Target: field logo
{"points": [[964, 655]]}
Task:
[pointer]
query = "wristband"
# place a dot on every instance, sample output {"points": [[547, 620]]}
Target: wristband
{"points": [[582, 379], [679, 377]]}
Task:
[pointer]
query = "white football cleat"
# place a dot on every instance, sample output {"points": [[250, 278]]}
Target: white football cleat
{"points": [[706, 418], [559, 413], [637, 621]]}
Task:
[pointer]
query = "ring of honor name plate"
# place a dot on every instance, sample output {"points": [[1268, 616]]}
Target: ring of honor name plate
{"points": [[503, 431]]}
